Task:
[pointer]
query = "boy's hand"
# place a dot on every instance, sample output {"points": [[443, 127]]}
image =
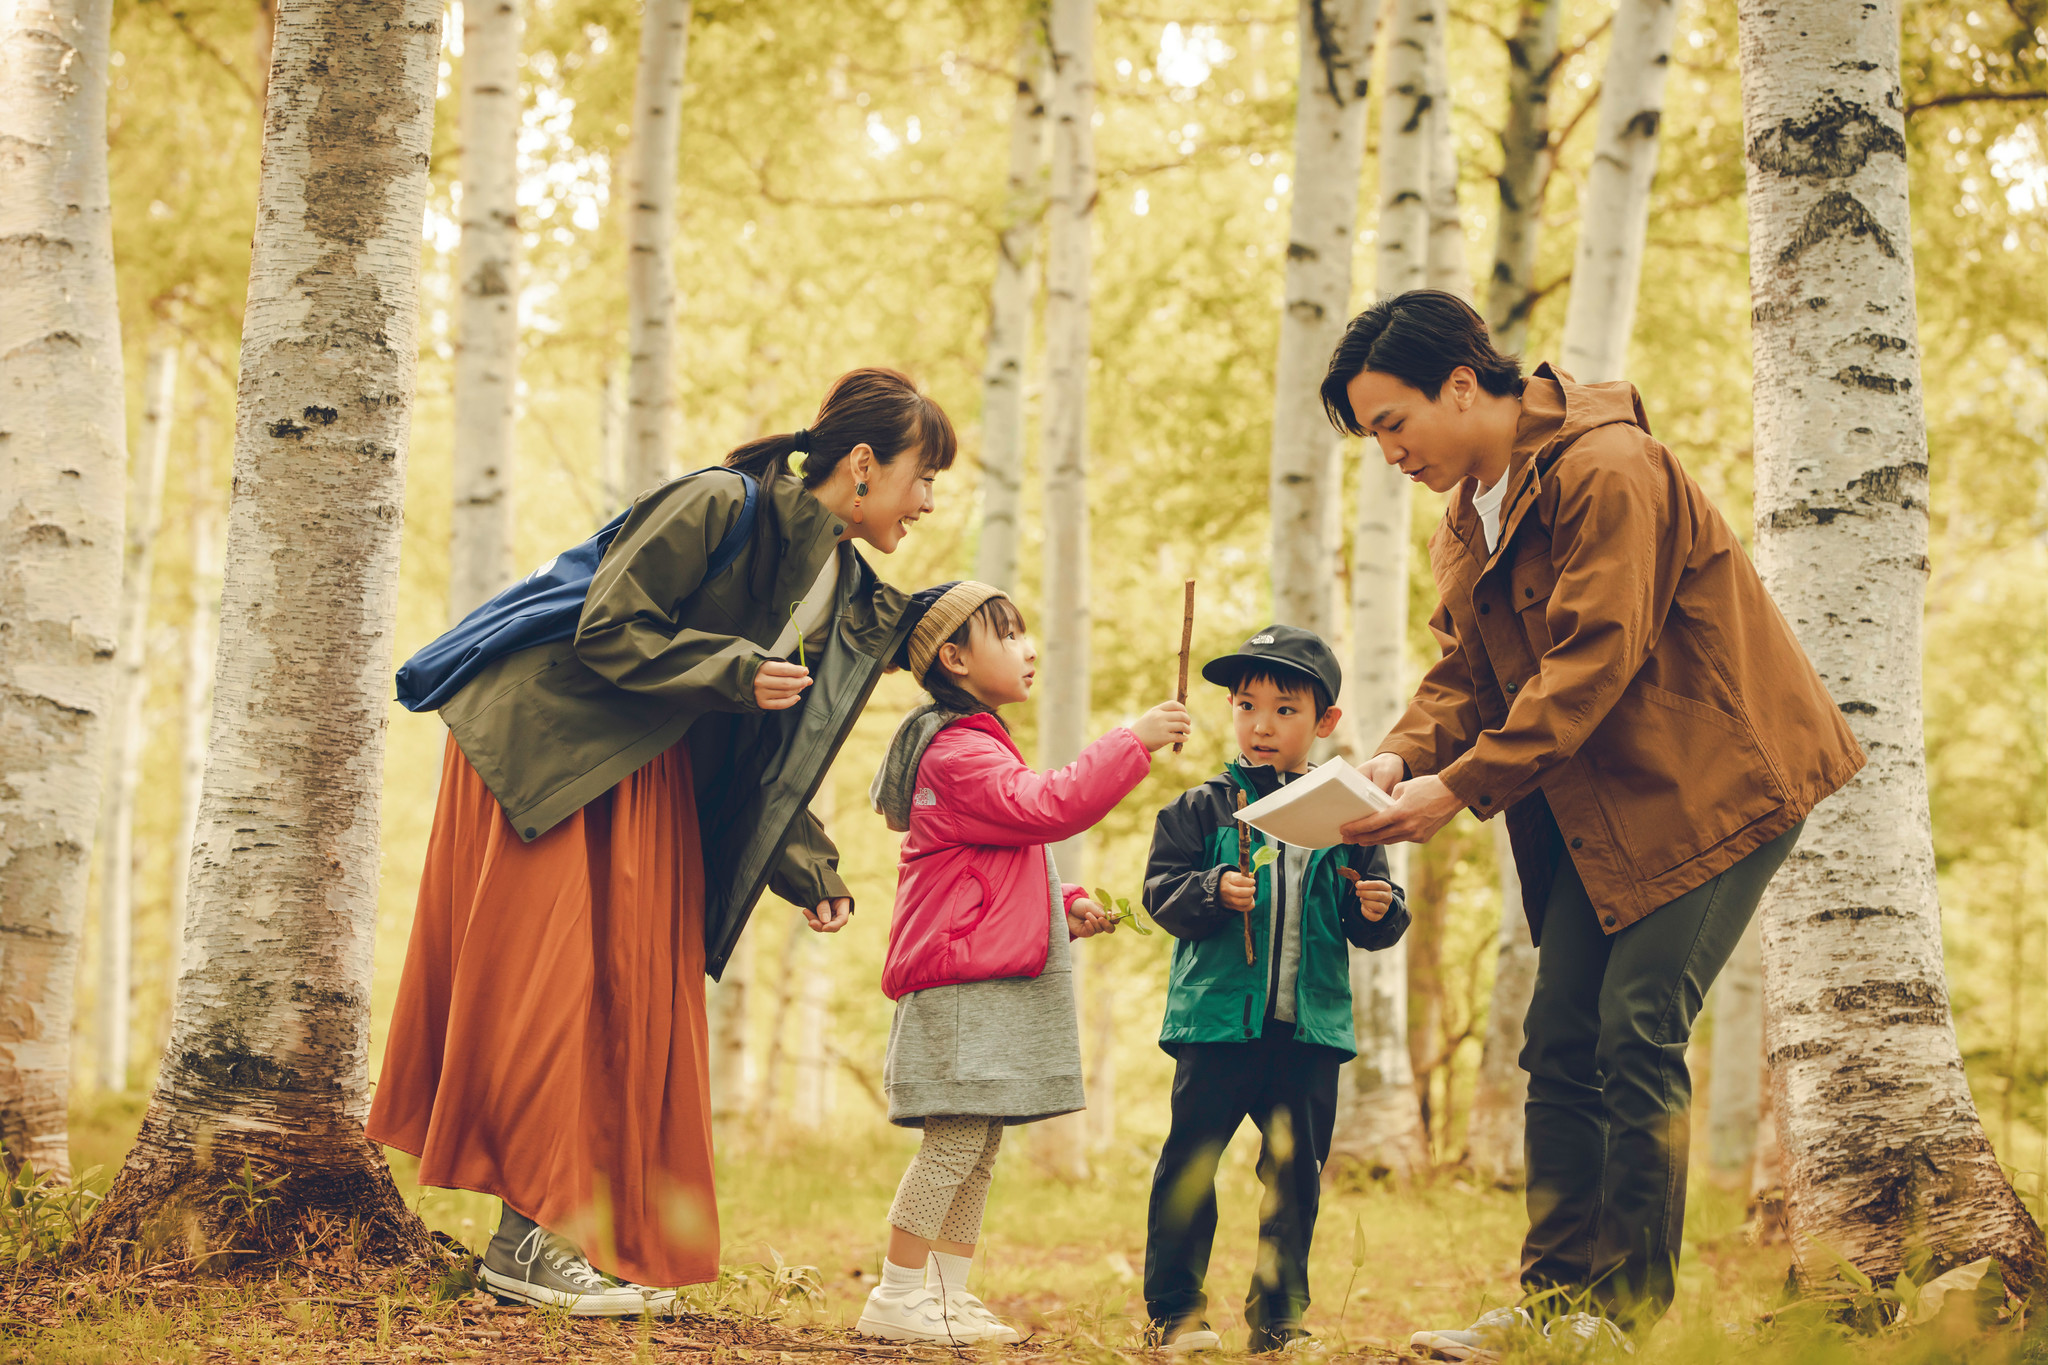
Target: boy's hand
{"points": [[1166, 723], [1238, 892], [1374, 898], [1086, 919]]}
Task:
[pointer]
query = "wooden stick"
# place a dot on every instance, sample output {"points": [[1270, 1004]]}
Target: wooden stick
{"points": [[1187, 638], [1244, 868]]}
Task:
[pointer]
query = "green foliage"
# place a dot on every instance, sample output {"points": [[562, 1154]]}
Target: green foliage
{"points": [[1122, 911], [248, 1197], [40, 1215]]}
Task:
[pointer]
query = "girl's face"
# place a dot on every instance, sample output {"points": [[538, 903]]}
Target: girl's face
{"points": [[898, 494], [997, 667]]}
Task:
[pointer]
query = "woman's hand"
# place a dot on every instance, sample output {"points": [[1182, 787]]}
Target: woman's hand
{"points": [[1086, 919], [830, 916], [1374, 899], [1166, 723], [780, 685], [1239, 892]]}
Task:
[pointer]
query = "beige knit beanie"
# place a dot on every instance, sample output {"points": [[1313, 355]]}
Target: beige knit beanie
{"points": [[942, 618]]}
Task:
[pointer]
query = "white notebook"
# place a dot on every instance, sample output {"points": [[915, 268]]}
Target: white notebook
{"points": [[1309, 811]]}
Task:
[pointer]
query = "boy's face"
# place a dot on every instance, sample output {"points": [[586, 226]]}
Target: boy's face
{"points": [[1276, 726]]}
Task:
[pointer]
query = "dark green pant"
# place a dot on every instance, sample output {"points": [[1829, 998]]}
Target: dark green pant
{"points": [[1609, 1093]]}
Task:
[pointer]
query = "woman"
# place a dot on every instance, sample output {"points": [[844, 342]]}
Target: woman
{"points": [[611, 808]]}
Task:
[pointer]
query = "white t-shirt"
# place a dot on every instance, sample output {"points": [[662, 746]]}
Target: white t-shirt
{"points": [[814, 613], [1486, 503]]}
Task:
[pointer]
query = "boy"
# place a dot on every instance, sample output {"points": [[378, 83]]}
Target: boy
{"points": [[1258, 1011]]}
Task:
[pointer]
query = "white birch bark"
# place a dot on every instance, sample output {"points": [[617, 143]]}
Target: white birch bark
{"points": [[650, 244], [1009, 321], [1735, 1065], [1402, 245], [1305, 487], [1063, 718], [1526, 161], [487, 308], [1614, 217], [728, 1007], [1883, 1149], [768, 1095], [126, 740], [1501, 1090], [1446, 268], [812, 1092], [63, 458], [269, 1050], [202, 604]]}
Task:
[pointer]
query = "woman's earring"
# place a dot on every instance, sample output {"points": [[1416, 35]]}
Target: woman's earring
{"points": [[860, 490]]}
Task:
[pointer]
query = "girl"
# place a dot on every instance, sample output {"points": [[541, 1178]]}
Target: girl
{"points": [[985, 1033], [611, 807]]}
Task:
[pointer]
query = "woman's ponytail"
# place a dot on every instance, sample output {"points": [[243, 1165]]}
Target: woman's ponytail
{"points": [[880, 409]]}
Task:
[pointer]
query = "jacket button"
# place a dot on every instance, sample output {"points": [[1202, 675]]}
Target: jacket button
{"points": [[1485, 800], [1578, 843], [838, 530], [1484, 608], [1609, 921], [1514, 688], [1528, 592], [531, 832]]}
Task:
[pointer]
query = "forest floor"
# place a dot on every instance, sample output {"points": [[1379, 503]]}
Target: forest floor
{"points": [[802, 1238]]}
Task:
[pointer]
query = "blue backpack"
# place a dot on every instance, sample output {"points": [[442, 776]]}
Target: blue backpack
{"points": [[540, 609]]}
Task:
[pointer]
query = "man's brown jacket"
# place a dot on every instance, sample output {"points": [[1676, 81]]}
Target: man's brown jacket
{"points": [[1614, 675]]}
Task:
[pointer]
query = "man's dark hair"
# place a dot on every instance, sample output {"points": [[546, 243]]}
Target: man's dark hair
{"points": [[1418, 337], [1284, 681]]}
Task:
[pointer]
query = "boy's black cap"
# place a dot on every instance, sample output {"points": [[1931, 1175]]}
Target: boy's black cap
{"points": [[1284, 649]]}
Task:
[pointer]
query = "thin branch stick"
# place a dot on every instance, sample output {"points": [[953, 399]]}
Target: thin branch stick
{"points": [[1187, 637]]}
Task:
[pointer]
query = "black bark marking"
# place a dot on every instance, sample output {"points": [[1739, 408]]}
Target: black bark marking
{"points": [[1302, 251], [1883, 995], [1883, 342], [1838, 215], [1853, 708], [324, 416], [1801, 1052], [1855, 914], [1890, 483], [1644, 124], [1833, 142], [287, 429], [1802, 513], [1856, 377]]}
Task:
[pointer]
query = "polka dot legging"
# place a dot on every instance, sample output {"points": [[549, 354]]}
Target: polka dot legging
{"points": [[946, 1187]]}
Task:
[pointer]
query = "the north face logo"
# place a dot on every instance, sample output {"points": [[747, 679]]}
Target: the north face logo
{"points": [[925, 796], [1261, 640]]}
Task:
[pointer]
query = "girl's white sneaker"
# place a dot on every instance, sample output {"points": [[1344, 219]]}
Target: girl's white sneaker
{"points": [[922, 1315], [965, 1305]]}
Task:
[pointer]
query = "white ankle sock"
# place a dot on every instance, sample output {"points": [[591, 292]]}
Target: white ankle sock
{"points": [[948, 1270], [900, 1282]]}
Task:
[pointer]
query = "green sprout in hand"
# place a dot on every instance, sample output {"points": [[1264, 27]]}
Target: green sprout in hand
{"points": [[1261, 857], [800, 663], [1121, 911]]}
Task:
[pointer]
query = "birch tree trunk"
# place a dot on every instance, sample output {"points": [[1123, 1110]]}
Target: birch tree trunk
{"points": [[1883, 1149], [1526, 162], [125, 745], [728, 1008], [1379, 1120], [1446, 269], [63, 461], [1501, 1092], [269, 1050], [650, 244], [487, 311], [1305, 485], [1614, 217], [812, 1093], [1063, 723], [1735, 1066], [202, 607], [1009, 320], [768, 1095]]}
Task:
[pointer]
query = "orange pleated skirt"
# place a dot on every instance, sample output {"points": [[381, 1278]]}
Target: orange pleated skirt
{"points": [[548, 1046]]}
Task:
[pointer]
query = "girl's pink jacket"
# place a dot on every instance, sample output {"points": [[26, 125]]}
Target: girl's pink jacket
{"points": [[971, 884]]}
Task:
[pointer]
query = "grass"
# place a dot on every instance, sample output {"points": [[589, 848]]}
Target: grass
{"points": [[1062, 1261]]}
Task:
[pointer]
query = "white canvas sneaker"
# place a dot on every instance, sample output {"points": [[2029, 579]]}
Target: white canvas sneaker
{"points": [[546, 1269], [964, 1305], [1483, 1341], [921, 1315], [1192, 1339], [1587, 1333]]}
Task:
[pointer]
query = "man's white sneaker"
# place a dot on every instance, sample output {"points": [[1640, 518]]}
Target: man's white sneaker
{"points": [[1484, 1340], [1586, 1333], [1192, 1339], [922, 1315], [964, 1306]]}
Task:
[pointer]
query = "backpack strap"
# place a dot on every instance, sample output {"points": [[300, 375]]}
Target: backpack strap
{"points": [[741, 532]]}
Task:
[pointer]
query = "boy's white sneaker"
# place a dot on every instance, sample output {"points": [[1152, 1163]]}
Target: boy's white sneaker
{"points": [[922, 1315], [1587, 1333], [1483, 1341]]}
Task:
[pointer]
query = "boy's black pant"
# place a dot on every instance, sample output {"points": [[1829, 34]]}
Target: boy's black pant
{"points": [[1609, 1092], [1289, 1090]]}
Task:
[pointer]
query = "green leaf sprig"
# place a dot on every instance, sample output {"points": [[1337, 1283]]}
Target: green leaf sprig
{"points": [[1121, 911]]}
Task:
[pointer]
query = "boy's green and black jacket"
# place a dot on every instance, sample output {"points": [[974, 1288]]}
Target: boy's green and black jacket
{"points": [[1214, 995]]}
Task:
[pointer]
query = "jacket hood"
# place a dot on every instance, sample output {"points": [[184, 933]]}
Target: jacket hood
{"points": [[895, 783], [1557, 410]]}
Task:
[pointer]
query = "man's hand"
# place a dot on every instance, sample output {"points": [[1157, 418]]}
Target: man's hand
{"points": [[1374, 899], [1422, 806], [830, 916], [1086, 919], [780, 685], [1238, 892]]}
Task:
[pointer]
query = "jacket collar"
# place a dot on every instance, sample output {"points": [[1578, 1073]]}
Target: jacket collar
{"points": [[810, 534], [1257, 779]]}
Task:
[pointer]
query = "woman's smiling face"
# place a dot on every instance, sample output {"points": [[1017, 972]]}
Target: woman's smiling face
{"points": [[898, 494]]}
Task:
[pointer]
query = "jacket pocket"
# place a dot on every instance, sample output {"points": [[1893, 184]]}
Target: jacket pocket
{"points": [[967, 904], [1678, 775], [1531, 581]]}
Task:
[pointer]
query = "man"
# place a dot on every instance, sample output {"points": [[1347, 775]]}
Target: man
{"points": [[1616, 679]]}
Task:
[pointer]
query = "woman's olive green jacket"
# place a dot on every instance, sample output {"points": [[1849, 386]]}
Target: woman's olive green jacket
{"points": [[660, 654]]}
